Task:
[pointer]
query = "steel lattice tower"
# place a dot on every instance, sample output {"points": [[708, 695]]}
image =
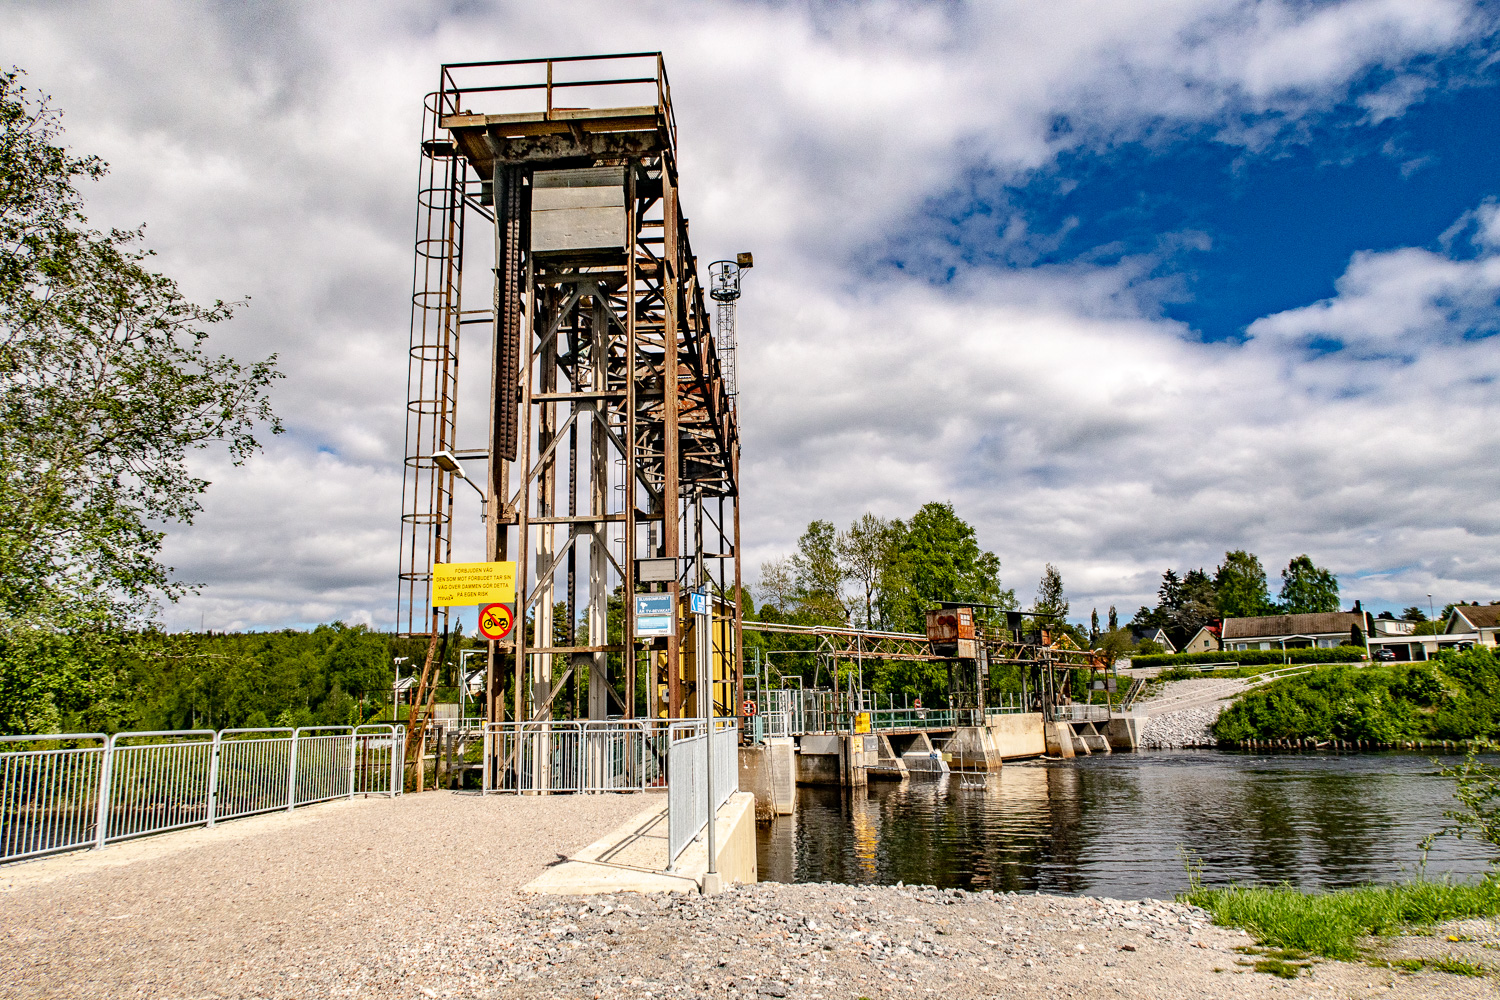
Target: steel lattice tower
{"points": [[611, 433]]}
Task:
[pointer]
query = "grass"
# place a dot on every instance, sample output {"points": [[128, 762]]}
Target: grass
{"points": [[1452, 966], [1333, 924]]}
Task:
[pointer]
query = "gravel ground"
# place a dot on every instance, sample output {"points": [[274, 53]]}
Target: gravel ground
{"points": [[418, 898], [1187, 728]]}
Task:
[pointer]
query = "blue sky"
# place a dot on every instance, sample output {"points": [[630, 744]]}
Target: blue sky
{"points": [[1237, 235], [1130, 284]]}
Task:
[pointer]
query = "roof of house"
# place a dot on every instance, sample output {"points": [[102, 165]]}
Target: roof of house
{"points": [[1279, 625], [1483, 616]]}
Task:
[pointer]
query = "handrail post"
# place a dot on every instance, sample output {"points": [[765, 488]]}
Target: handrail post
{"points": [[353, 751], [398, 761], [213, 780], [291, 774], [549, 96], [101, 832], [484, 772]]}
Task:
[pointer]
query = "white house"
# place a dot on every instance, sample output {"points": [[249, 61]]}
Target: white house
{"points": [[1481, 619], [1205, 640], [1155, 635], [1322, 631]]}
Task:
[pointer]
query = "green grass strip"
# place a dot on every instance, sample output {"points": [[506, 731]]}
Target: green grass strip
{"points": [[1331, 924]]}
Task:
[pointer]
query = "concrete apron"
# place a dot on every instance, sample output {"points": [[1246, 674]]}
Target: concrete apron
{"points": [[633, 857]]}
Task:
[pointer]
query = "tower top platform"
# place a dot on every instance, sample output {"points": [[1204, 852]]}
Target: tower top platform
{"points": [[520, 120]]}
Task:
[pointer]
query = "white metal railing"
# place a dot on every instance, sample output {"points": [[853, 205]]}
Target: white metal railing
{"points": [[63, 792], [1081, 713], [687, 796], [777, 724], [618, 755]]}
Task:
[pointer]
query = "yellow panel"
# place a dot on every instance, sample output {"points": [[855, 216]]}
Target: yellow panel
{"points": [[459, 584]]}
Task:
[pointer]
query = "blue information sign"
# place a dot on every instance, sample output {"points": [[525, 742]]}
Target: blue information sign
{"points": [[698, 603], [654, 616]]}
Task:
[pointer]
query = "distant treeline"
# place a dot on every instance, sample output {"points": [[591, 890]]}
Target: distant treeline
{"points": [[109, 681]]}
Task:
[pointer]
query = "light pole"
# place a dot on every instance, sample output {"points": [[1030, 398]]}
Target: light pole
{"points": [[1431, 614]]}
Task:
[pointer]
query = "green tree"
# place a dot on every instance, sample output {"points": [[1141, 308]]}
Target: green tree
{"points": [[1308, 589], [1094, 626], [777, 586], [819, 574], [1114, 619], [1196, 606], [1413, 614], [865, 551], [1240, 589], [1050, 599], [1116, 643], [938, 558], [105, 387]]}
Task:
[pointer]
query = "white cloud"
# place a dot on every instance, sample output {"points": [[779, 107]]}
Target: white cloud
{"points": [[271, 148]]}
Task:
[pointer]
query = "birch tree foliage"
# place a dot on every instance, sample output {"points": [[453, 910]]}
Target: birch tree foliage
{"points": [[106, 387]]}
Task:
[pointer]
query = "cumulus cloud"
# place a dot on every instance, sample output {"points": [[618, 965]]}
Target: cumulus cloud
{"points": [[272, 149]]}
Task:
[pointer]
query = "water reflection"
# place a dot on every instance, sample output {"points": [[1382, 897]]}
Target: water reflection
{"points": [[1118, 825]]}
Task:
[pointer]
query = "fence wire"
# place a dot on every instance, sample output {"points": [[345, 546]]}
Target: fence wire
{"points": [[63, 792]]}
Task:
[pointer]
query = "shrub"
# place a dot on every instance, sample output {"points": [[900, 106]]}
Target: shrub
{"points": [[1250, 657], [1450, 698]]}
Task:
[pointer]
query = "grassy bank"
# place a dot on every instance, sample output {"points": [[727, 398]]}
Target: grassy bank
{"points": [[1454, 697], [1333, 924]]}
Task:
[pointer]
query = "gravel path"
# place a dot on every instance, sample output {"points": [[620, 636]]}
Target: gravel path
{"points": [[418, 898], [292, 908]]}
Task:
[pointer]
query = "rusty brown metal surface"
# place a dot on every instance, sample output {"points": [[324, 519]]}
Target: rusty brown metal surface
{"points": [[611, 434]]}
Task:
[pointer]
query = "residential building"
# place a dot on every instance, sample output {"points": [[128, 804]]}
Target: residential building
{"points": [[1155, 635], [1322, 631], [1483, 620], [1391, 626], [1205, 640]]}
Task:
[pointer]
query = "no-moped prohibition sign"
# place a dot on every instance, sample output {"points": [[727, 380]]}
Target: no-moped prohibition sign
{"points": [[496, 620]]}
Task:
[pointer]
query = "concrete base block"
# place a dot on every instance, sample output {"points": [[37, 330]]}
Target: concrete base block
{"points": [[1124, 732], [1059, 739], [1093, 740], [924, 763], [783, 773], [972, 749], [888, 765], [1018, 735]]}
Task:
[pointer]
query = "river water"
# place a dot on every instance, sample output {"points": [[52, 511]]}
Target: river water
{"points": [[1120, 825]]}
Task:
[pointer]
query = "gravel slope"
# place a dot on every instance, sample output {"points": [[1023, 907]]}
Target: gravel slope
{"points": [[418, 898]]}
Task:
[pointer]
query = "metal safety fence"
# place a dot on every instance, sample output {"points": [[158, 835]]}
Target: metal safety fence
{"points": [[687, 795], [619, 755], [62, 792]]}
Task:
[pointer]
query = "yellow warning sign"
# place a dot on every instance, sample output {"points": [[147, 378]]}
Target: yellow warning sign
{"points": [[460, 584]]}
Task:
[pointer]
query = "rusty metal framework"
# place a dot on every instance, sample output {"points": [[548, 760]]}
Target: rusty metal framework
{"points": [[611, 434], [855, 646]]}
